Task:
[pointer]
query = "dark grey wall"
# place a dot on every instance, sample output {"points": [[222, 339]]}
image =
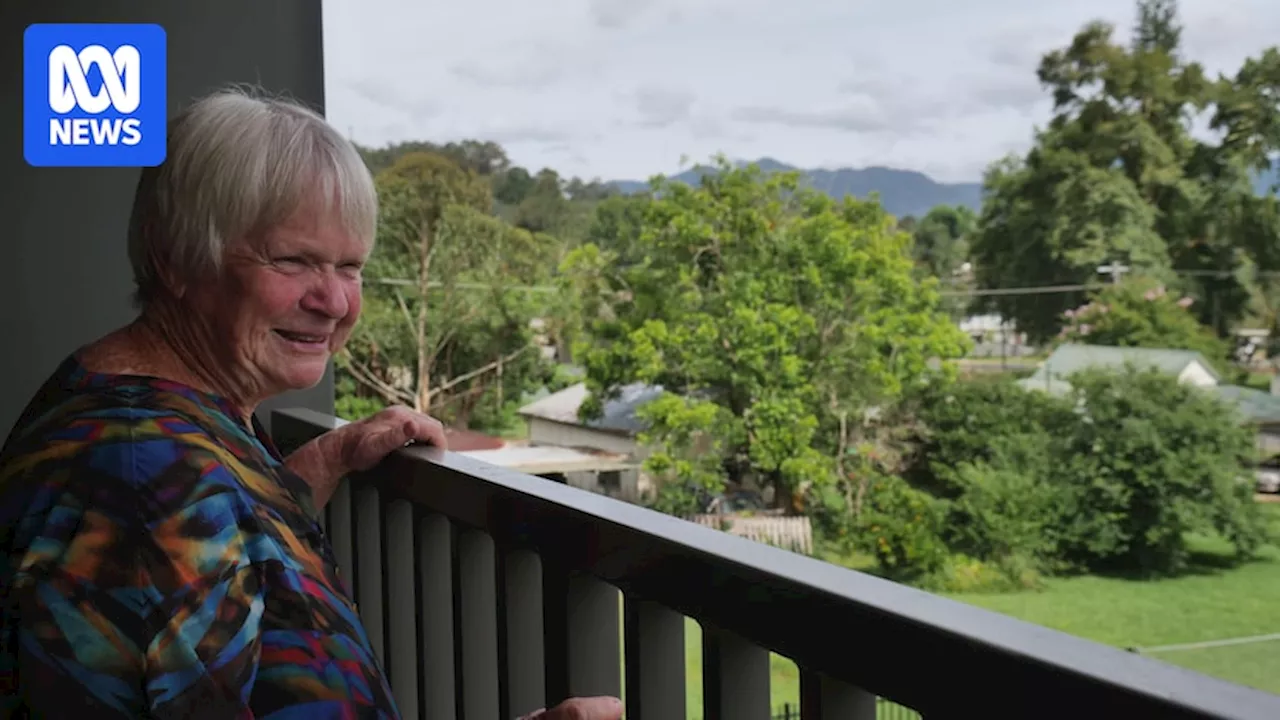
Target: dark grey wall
{"points": [[64, 272]]}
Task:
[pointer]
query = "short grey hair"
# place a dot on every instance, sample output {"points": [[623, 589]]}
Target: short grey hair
{"points": [[238, 162]]}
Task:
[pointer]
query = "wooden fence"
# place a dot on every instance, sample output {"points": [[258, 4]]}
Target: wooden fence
{"points": [[793, 533]]}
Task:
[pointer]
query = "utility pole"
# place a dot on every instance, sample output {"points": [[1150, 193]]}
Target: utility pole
{"points": [[1115, 270]]}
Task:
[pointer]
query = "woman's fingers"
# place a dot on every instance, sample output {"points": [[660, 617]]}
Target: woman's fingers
{"points": [[585, 708], [374, 438]]}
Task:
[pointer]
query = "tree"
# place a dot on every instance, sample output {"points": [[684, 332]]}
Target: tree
{"points": [[446, 325], [941, 239], [1117, 175], [940, 246], [482, 157], [1153, 460], [1110, 477], [611, 242], [1140, 312], [774, 317], [513, 186]]}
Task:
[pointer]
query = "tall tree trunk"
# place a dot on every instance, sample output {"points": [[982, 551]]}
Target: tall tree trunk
{"points": [[425, 358]]}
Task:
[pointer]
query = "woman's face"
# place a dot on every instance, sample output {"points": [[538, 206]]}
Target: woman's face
{"points": [[287, 301]]}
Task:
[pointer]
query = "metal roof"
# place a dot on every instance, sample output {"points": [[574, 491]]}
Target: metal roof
{"points": [[1071, 358], [543, 459], [1255, 405], [619, 413]]}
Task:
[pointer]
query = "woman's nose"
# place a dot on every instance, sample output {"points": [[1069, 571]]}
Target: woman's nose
{"points": [[327, 297]]}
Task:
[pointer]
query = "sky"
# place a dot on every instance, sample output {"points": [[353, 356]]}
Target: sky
{"points": [[625, 89]]}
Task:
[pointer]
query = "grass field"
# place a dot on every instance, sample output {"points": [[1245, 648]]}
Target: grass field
{"points": [[1209, 602]]}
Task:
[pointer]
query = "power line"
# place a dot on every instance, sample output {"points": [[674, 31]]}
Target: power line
{"points": [[1185, 273], [1033, 290], [976, 292], [463, 285]]}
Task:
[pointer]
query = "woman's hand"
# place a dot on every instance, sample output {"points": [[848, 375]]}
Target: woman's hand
{"points": [[358, 446], [591, 708], [361, 445]]}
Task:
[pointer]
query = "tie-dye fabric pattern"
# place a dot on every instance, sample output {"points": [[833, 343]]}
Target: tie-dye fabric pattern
{"points": [[157, 560]]}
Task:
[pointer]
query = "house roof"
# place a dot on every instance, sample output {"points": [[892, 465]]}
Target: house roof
{"points": [[1071, 358], [619, 413], [1051, 385], [1256, 406], [461, 439], [546, 459]]}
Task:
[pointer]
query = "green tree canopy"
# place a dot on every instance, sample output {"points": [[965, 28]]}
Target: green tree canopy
{"points": [[941, 239], [1117, 175], [1141, 312], [447, 320], [773, 316]]}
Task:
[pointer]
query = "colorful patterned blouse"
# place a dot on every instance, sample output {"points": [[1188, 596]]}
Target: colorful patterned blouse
{"points": [[157, 559]]}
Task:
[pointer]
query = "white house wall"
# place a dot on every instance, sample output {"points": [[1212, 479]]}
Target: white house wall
{"points": [[550, 432], [1198, 375]]}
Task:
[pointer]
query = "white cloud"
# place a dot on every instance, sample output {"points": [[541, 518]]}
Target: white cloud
{"points": [[624, 88]]}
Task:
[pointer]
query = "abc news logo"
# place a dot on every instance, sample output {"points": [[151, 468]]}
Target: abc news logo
{"points": [[69, 90], [94, 95]]}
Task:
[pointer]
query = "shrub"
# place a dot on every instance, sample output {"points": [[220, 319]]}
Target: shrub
{"points": [[1140, 312], [902, 527], [997, 423], [966, 574], [1005, 516], [1112, 477], [1150, 460]]}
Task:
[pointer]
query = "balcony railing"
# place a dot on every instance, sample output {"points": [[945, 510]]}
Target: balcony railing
{"points": [[489, 593]]}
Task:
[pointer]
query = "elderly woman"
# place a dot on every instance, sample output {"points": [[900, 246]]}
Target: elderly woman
{"points": [[160, 558]]}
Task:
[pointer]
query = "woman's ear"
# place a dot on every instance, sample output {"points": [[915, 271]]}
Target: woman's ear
{"points": [[164, 274]]}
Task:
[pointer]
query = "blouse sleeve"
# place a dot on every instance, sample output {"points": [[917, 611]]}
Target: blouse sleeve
{"points": [[130, 593]]}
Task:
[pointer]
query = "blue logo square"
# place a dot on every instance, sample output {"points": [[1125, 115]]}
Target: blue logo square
{"points": [[94, 95]]}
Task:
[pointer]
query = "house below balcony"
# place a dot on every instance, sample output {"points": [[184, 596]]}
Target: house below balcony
{"points": [[554, 424]]}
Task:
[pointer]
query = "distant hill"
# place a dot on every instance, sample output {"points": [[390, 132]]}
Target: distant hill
{"points": [[902, 192]]}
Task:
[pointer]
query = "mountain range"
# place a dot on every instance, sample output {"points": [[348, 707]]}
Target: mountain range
{"points": [[902, 192]]}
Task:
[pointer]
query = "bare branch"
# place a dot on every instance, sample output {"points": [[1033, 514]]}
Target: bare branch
{"points": [[480, 370], [404, 309], [368, 378]]}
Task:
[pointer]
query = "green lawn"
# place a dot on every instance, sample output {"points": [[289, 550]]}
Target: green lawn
{"points": [[784, 676], [1207, 603]]}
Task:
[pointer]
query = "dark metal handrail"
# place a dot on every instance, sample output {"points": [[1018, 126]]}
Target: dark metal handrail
{"points": [[941, 657]]}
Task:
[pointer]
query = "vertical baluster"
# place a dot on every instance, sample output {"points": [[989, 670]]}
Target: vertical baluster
{"points": [[523, 650], [583, 635], [341, 536], [368, 529], [735, 677], [822, 698], [477, 581], [402, 608], [435, 621], [655, 662]]}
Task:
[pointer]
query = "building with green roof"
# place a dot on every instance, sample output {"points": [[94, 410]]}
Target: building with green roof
{"points": [[1257, 408]]}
